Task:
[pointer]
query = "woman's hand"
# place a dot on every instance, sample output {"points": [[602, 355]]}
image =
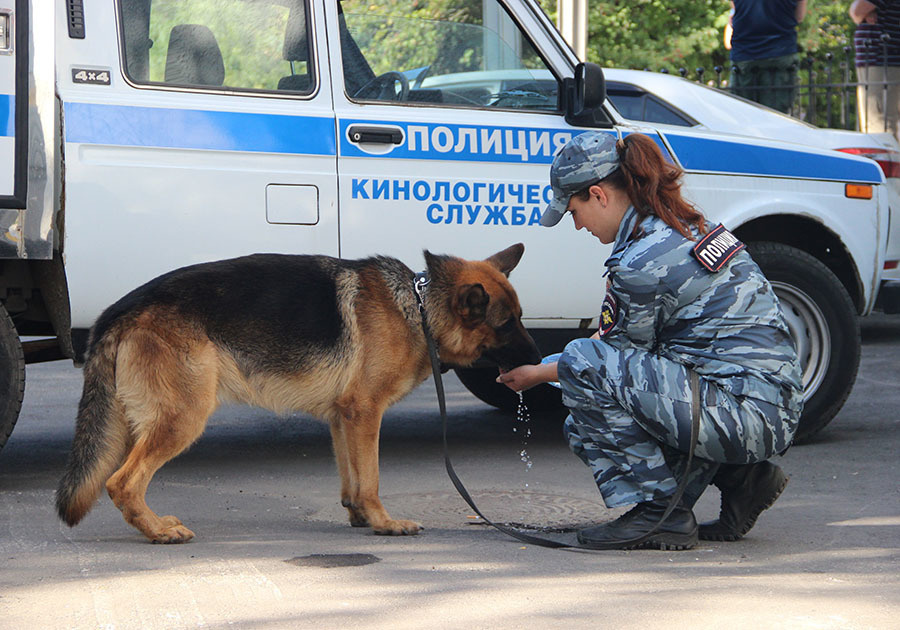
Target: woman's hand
{"points": [[527, 376]]}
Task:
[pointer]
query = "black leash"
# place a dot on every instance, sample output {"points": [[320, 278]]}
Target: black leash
{"points": [[420, 283]]}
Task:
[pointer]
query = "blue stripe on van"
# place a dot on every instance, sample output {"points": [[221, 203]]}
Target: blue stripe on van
{"points": [[721, 156], [7, 115], [119, 125], [275, 133]]}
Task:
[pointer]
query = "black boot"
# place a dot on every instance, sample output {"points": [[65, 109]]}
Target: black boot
{"points": [[746, 492], [679, 531]]}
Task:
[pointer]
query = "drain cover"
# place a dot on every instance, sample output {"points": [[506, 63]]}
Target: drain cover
{"points": [[550, 512], [333, 560]]}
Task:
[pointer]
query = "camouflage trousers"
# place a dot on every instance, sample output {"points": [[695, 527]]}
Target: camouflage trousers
{"points": [[630, 422]]}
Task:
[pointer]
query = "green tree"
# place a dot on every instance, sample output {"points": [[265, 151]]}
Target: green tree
{"points": [[688, 34]]}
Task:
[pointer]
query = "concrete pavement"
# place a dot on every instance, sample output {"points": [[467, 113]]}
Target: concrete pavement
{"points": [[274, 550]]}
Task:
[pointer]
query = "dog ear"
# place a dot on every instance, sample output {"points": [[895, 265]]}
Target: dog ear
{"points": [[507, 260], [430, 259], [472, 302], [434, 263]]}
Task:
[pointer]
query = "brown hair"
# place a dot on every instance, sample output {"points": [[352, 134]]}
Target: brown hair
{"points": [[653, 185]]}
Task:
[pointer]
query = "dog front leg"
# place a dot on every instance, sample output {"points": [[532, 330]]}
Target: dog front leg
{"points": [[361, 431]]}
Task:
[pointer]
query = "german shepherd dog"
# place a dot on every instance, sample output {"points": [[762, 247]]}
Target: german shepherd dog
{"points": [[341, 340]]}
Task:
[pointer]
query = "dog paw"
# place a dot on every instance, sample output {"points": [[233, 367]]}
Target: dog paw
{"points": [[357, 520], [398, 528], [173, 535]]}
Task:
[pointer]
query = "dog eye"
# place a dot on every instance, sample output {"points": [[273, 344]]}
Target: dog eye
{"points": [[508, 326]]}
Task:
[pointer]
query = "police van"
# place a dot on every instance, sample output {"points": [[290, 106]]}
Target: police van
{"points": [[137, 136]]}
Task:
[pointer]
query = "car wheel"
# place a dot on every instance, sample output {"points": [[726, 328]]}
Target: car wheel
{"points": [[12, 375], [824, 324]]}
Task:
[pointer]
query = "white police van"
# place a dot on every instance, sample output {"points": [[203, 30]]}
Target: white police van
{"points": [[138, 136]]}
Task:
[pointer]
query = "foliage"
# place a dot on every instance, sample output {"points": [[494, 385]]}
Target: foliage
{"points": [[250, 61], [688, 34], [420, 33]]}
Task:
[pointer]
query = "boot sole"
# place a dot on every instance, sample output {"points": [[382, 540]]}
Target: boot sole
{"points": [[669, 542], [732, 536], [665, 541]]}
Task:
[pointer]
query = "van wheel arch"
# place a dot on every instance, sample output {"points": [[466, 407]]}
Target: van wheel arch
{"points": [[813, 238]]}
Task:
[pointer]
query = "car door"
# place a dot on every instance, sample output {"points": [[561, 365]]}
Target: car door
{"points": [[206, 133], [448, 118], [13, 104]]}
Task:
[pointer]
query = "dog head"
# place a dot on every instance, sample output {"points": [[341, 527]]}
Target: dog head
{"points": [[473, 310]]}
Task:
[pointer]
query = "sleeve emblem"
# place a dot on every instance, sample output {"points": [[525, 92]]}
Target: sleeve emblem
{"points": [[716, 248], [608, 313]]}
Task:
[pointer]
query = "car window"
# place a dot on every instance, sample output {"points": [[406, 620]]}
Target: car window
{"points": [[470, 54], [636, 104], [243, 45]]}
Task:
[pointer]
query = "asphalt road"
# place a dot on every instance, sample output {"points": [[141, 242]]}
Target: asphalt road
{"points": [[274, 549]]}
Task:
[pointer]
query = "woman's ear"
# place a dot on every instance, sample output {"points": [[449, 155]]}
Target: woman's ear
{"points": [[598, 192]]}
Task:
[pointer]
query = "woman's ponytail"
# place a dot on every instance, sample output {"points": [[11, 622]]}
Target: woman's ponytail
{"points": [[653, 184]]}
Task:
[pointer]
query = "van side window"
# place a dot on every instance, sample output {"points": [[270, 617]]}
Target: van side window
{"points": [[223, 44], [468, 53]]}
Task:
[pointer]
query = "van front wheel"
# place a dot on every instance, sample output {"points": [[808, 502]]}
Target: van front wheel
{"points": [[12, 375]]}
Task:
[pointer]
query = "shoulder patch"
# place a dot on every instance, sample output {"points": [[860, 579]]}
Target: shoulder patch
{"points": [[716, 248], [608, 313]]}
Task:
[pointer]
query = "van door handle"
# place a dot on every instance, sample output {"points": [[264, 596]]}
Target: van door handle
{"points": [[377, 135]]}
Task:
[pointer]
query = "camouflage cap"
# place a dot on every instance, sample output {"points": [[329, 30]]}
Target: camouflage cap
{"points": [[584, 160]]}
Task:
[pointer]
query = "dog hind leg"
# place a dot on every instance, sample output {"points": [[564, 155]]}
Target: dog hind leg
{"points": [[349, 485], [168, 397]]}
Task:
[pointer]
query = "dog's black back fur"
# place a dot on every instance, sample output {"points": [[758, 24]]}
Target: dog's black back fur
{"points": [[271, 310]]}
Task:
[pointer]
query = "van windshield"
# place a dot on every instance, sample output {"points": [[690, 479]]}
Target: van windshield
{"points": [[473, 56]]}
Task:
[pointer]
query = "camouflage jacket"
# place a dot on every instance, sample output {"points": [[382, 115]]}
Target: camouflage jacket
{"points": [[727, 325]]}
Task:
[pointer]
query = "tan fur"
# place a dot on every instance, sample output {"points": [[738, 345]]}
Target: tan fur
{"points": [[169, 377]]}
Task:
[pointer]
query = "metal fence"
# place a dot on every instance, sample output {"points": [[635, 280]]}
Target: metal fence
{"points": [[823, 90]]}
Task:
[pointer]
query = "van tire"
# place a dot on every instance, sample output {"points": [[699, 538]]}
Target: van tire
{"points": [[12, 375], [823, 318]]}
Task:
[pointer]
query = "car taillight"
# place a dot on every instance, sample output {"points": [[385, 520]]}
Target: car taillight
{"points": [[888, 159]]}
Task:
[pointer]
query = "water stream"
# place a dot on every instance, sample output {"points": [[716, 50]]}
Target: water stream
{"points": [[523, 418]]}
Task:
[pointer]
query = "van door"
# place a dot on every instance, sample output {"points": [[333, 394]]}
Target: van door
{"points": [[194, 131], [13, 110], [448, 120]]}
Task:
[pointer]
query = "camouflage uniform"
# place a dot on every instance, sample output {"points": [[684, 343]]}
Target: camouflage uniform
{"points": [[629, 392]]}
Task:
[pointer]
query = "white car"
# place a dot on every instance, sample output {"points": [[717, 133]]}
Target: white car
{"points": [[668, 100]]}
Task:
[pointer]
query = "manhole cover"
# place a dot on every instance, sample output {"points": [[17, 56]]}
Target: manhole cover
{"points": [[521, 508], [333, 560]]}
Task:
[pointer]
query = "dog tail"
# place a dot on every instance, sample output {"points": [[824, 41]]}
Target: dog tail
{"points": [[101, 433]]}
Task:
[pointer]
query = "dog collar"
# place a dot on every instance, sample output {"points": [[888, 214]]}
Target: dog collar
{"points": [[420, 284]]}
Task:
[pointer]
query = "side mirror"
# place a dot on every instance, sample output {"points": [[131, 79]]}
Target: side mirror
{"points": [[585, 95]]}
